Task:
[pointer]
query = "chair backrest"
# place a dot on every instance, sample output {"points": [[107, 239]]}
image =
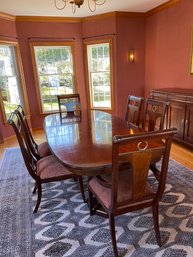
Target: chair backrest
{"points": [[139, 150], [32, 144], [19, 130], [70, 102], [155, 112], [133, 109]]}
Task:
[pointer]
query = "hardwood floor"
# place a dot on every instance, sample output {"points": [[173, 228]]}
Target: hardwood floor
{"points": [[178, 153], [182, 155], [38, 135]]}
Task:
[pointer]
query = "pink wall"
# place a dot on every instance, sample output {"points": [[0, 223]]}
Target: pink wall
{"points": [[162, 44], [168, 47], [29, 31], [96, 30], [48, 31], [130, 33], [125, 32]]}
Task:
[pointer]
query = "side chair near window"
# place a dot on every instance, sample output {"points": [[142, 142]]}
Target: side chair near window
{"points": [[133, 109], [69, 103], [39, 151], [155, 114], [44, 170], [127, 190]]}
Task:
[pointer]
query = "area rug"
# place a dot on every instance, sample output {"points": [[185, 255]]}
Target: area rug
{"points": [[63, 227], [16, 218]]}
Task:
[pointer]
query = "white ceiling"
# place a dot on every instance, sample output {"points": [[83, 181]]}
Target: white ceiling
{"points": [[47, 8]]}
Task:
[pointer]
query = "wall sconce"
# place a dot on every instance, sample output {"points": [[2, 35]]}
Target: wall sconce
{"points": [[131, 55]]}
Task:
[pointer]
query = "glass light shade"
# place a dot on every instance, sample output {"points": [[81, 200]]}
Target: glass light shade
{"points": [[131, 55]]}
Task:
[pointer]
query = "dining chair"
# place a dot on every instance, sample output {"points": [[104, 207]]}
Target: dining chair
{"points": [[38, 150], [69, 103], [45, 170], [133, 109], [155, 118], [155, 114], [127, 190]]}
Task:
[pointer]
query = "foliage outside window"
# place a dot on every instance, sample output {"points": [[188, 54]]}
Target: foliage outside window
{"points": [[98, 56], [10, 85], [55, 74]]}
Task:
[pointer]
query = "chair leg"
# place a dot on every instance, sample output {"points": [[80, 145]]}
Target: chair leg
{"points": [[113, 236], [155, 171], [34, 190], [80, 180], [39, 188], [155, 210], [90, 202]]}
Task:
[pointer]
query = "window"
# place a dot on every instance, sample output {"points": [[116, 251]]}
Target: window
{"points": [[10, 80], [54, 73], [99, 73]]}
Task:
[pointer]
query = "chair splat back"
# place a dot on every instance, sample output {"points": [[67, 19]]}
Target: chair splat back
{"points": [[140, 168], [31, 143], [68, 103], [155, 113], [28, 157], [38, 151], [22, 116], [133, 109]]}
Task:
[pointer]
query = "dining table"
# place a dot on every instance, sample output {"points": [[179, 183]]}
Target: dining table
{"points": [[83, 142]]}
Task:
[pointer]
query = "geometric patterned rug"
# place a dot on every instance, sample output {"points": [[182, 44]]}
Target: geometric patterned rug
{"points": [[16, 217], [63, 227]]}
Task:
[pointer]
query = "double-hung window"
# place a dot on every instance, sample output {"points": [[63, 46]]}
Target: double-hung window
{"points": [[11, 92], [54, 72], [99, 69]]}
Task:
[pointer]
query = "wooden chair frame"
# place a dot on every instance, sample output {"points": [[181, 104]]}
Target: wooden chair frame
{"points": [[32, 163], [35, 149], [137, 151], [68, 100], [154, 110], [133, 109], [32, 144]]}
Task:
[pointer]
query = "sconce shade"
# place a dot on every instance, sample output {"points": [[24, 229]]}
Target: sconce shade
{"points": [[131, 55]]}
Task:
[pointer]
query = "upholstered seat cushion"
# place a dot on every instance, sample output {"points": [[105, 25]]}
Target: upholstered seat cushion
{"points": [[50, 167], [44, 150], [124, 188]]}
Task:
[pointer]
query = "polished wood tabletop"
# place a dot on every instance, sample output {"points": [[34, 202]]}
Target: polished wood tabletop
{"points": [[84, 143]]}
